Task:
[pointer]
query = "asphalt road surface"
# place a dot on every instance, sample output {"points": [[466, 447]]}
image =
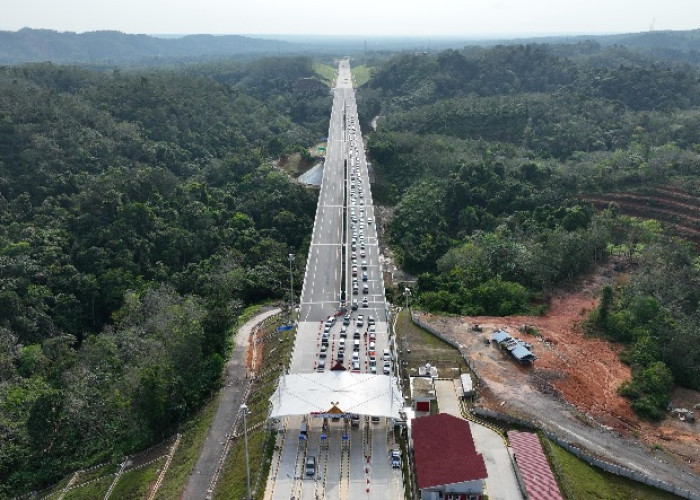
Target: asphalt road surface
{"points": [[230, 399], [351, 461], [345, 174]]}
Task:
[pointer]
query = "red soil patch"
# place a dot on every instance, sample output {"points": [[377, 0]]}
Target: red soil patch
{"points": [[585, 372], [254, 355]]}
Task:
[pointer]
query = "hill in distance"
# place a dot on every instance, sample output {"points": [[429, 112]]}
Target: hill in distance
{"points": [[113, 47], [31, 45]]}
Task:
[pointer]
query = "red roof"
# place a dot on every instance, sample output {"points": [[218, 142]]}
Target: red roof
{"points": [[534, 466], [444, 451]]}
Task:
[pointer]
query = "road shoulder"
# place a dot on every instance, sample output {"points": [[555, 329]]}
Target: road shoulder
{"points": [[231, 396]]}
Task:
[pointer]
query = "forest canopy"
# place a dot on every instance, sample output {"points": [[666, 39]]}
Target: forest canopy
{"points": [[139, 214], [489, 157]]}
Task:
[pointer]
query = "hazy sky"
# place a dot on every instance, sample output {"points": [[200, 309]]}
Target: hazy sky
{"points": [[357, 17]]}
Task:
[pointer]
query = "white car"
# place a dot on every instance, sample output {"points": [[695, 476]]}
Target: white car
{"points": [[395, 459]]}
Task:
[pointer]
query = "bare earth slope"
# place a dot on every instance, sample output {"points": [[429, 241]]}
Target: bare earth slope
{"points": [[572, 388], [676, 208]]}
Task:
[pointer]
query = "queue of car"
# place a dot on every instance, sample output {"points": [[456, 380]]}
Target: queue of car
{"points": [[357, 226], [355, 328], [364, 340]]}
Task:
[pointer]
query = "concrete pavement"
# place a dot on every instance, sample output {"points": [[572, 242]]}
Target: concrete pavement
{"points": [[501, 483]]}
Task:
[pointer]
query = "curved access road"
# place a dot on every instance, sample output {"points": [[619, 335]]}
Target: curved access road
{"points": [[202, 478]]}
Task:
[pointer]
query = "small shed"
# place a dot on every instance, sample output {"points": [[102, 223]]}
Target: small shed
{"points": [[467, 385], [522, 354], [422, 393], [500, 336], [427, 370]]}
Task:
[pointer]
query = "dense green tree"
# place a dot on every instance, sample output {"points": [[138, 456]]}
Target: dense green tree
{"points": [[504, 142], [139, 215], [649, 390], [419, 227]]}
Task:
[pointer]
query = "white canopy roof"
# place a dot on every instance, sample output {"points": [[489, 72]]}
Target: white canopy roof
{"points": [[328, 392]]}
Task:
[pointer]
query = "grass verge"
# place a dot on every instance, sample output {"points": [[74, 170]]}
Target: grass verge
{"points": [[293, 164], [193, 433], [580, 480], [360, 75], [276, 355], [425, 348], [135, 484], [96, 489], [326, 73]]}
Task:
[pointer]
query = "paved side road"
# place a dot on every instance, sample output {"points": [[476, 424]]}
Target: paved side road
{"points": [[501, 483], [230, 400]]}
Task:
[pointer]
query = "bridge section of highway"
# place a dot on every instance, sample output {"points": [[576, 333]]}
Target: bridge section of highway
{"points": [[328, 452]]}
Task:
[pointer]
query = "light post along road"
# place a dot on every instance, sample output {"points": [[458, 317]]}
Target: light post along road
{"points": [[339, 458]]}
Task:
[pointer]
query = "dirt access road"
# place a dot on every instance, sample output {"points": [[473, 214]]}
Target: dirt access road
{"points": [[572, 388], [231, 396]]}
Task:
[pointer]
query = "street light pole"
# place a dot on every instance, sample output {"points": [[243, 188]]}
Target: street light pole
{"points": [[244, 410], [291, 287]]}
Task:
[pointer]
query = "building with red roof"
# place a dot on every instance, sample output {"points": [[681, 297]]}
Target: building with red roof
{"points": [[534, 467], [447, 464]]}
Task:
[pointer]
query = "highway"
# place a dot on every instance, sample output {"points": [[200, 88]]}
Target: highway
{"points": [[352, 461], [321, 291]]}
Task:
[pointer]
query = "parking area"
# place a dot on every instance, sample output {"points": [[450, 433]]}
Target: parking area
{"points": [[501, 483]]}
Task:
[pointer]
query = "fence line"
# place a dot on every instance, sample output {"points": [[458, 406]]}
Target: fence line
{"points": [[607, 466], [589, 459], [479, 381]]}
